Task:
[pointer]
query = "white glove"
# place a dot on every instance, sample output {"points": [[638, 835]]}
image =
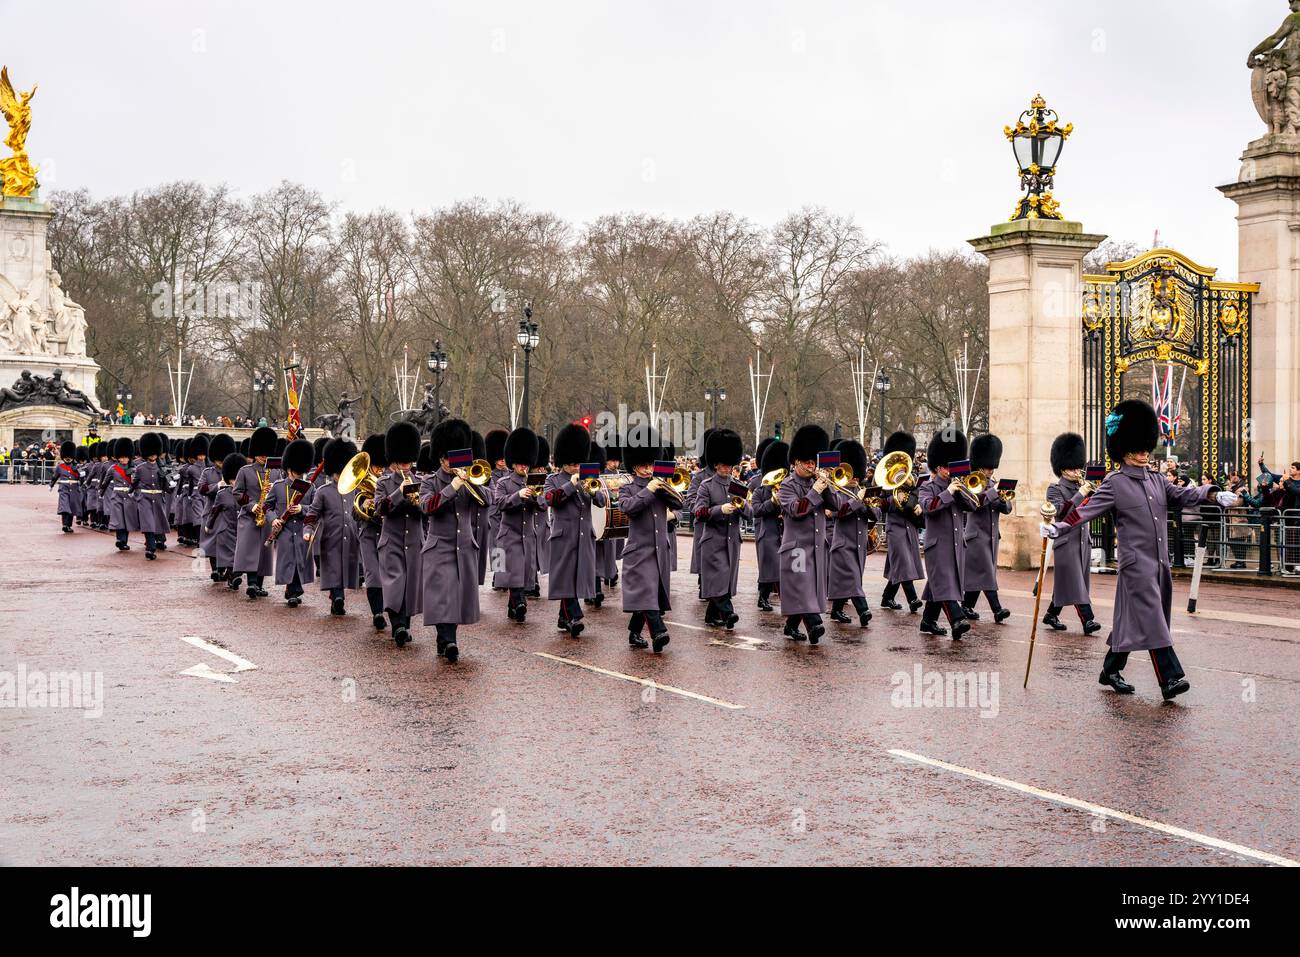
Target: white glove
{"points": [[1047, 531], [1227, 499]]}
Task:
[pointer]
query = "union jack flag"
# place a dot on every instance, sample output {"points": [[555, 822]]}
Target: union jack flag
{"points": [[1162, 400]]}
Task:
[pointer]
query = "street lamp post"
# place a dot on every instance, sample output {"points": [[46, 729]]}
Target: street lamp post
{"points": [[882, 386], [528, 339], [262, 383], [437, 364], [715, 394], [1037, 140], [124, 395]]}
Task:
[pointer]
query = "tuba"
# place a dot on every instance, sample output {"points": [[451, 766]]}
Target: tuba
{"points": [[356, 477]]}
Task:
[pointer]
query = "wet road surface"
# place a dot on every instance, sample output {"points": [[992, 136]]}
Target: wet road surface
{"points": [[287, 735]]}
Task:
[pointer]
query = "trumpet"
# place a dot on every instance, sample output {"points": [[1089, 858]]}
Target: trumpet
{"points": [[412, 497], [1007, 495], [773, 480], [740, 501], [356, 476], [974, 485], [592, 485]]}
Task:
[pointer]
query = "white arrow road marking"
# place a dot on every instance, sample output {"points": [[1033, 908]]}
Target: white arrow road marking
{"points": [[203, 671], [1100, 809], [739, 642]]}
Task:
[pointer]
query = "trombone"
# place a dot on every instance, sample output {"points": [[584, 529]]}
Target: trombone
{"points": [[479, 473], [675, 487], [974, 486]]}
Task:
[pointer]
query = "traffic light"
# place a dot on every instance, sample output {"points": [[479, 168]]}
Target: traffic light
{"points": [[585, 422], [778, 428]]}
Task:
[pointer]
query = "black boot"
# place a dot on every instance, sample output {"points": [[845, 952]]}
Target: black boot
{"points": [[914, 605], [890, 603], [1051, 621], [337, 607], [837, 612], [932, 628], [658, 640], [1001, 615], [1091, 626], [1115, 681], [1172, 689], [636, 641], [792, 631]]}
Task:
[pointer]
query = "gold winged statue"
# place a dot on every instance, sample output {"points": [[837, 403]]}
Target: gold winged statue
{"points": [[17, 172]]}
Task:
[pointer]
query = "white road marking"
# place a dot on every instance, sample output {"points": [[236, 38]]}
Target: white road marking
{"points": [[740, 642], [1100, 809], [1205, 613], [647, 682], [203, 671]]}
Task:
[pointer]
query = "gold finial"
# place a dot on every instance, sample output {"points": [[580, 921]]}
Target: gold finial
{"points": [[1038, 103], [16, 171]]}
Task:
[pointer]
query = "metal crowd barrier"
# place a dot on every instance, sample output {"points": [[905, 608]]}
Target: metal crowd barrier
{"points": [[1239, 540], [33, 471]]}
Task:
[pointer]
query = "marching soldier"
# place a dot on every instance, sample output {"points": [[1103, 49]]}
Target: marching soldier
{"points": [[205, 494], [572, 572], [515, 505], [647, 569], [718, 517], [1139, 500], [483, 524], [1071, 560], [903, 522], [368, 536], [116, 492], [330, 529], [495, 446], [606, 566], [68, 479], [766, 511], [252, 486], [983, 533], [613, 466], [852, 542], [220, 525], [698, 478], [402, 534], [284, 513], [805, 497], [944, 500], [97, 456], [150, 486], [450, 559]]}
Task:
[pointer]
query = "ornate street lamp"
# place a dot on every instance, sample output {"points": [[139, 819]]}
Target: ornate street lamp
{"points": [[882, 386], [1037, 140], [437, 364], [528, 339], [715, 394]]}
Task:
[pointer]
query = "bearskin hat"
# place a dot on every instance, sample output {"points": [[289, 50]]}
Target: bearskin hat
{"points": [[150, 444], [318, 449], [68, 450], [244, 444], [947, 446], [667, 452], [901, 442], [261, 442], [985, 452], [298, 456], [572, 444], [1069, 451], [854, 456], [1131, 427], [614, 453], [281, 443], [478, 445], [220, 446], [596, 454], [520, 447], [543, 453], [725, 448], [762, 447], [807, 442], [166, 442], [775, 456], [196, 446], [401, 443], [495, 443], [123, 448], [704, 449], [373, 446], [640, 453], [231, 465], [425, 463], [336, 454], [447, 436], [83, 453]]}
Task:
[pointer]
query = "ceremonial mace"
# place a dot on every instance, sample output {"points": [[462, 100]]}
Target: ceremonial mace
{"points": [[1048, 512]]}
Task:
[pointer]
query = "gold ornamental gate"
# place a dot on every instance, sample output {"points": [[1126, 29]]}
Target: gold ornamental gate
{"points": [[1153, 327]]}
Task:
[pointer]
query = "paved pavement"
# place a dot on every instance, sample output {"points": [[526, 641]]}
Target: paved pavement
{"points": [[236, 731]]}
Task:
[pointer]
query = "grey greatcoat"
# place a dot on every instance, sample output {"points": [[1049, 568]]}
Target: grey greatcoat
{"points": [[698, 478], [572, 572], [71, 495], [983, 533], [368, 548], [902, 535], [647, 558], [1071, 560], [292, 554], [334, 536], [945, 540], [400, 541], [1140, 502], [540, 523], [150, 488], [719, 539], [194, 502], [116, 497], [515, 562], [251, 557], [850, 547], [206, 493], [90, 486], [767, 530], [803, 546], [450, 552], [217, 539]]}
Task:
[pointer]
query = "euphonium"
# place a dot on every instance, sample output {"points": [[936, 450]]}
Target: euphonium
{"points": [[356, 477]]}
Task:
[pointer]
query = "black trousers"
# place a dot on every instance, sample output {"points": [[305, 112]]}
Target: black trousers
{"points": [[446, 634], [951, 609], [808, 620], [517, 597], [570, 609], [67, 519], [909, 589], [152, 540], [336, 594], [1084, 612], [1165, 662], [971, 597], [719, 608], [255, 581], [859, 605], [640, 619], [376, 598]]}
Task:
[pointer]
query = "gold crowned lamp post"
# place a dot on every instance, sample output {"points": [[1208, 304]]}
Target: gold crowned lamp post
{"points": [[1037, 140]]}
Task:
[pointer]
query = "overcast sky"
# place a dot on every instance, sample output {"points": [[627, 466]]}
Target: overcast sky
{"points": [[891, 112]]}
